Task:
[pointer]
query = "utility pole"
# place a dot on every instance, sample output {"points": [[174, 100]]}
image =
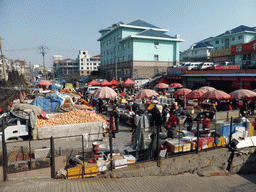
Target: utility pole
{"points": [[43, 50], [116, 64], [3, 60]]}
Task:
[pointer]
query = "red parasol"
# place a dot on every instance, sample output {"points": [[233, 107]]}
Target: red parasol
{"points": [[105, 83], [129, 82], [93, 82], [242, 94], [114, 82], [208, 88], [182, 91], [196, 94], [105, 92], [176, 85], [146, 93], [215, 94], [163, 81], [44, 82], [161, 86]]}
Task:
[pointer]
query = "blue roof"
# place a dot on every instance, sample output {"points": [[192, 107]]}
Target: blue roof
{"points": [[202, 44], [153, 33], [238, 29], [142, 24]]}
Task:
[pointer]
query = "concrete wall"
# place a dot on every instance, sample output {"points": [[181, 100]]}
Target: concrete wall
{"points": [[74, 129], [192, 163]]}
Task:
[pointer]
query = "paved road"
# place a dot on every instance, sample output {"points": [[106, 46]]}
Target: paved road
{"points": [[187, 182]]}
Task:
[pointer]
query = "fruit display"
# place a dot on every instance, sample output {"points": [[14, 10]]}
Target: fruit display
{"points": [[73, 117], [84, 107]]}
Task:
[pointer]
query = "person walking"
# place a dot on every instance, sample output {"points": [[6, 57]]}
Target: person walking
{"points": [[116, 116], [100, 103], [252, 107], [188, 123], [164, 114]]}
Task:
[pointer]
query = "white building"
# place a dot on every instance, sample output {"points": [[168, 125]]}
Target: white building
{"points": [[87, 64]]}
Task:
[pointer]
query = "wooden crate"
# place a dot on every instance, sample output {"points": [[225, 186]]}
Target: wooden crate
{"points": [[77, 172]]}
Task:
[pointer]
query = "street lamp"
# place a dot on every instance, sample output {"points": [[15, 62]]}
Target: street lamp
{"points": [[43, 50]]}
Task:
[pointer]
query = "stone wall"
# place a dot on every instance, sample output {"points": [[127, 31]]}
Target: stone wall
{"points": [[191, 163]]}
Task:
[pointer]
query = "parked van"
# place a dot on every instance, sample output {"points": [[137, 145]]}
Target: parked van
{"points": [[205, 65], [92, 89], [193, 65]]}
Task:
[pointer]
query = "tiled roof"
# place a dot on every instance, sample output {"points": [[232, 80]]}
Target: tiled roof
{"points": [[238, 29], [202, 44], [153, 33], [97, 55], [142, 24]]}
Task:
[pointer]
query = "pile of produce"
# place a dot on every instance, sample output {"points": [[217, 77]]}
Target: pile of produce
{"points": [[84, 107], [73, 117]]}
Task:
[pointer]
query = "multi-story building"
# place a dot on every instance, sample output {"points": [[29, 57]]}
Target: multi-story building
{"points": [[10, 65], [87, 64], [231, 45], [83, 65], [137, 49]]}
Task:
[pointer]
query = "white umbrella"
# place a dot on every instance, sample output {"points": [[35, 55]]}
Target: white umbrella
{"points": [[105, 92]]}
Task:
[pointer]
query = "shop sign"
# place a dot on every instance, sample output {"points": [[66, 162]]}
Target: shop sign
{"points": [[244, 48], [175, 77], [176, 70], [222, 79], [236, 84], [227, 67], [247, 79]]}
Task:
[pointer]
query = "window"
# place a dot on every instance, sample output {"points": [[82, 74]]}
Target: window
{"points": [[94, 63], [82, 68], [81, 59], [119, 37], [114, 39], [217, 42], [124, 46], [119, 48], [195, 52], [104, 54], [87, 67], [107, 52], [90, 63], [127, 72], [233, 38], [124, 58], [130, 57], [94, 67], [88, 59], [84, 53], [156, 58], [111, 51], [222, 41], [240, 37], [156, 44], [130, 44], [109, 41], [119, 59], [87, 72]]}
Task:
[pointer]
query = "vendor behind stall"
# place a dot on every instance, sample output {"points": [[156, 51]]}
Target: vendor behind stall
{"points": [[206, 123], [188, 122]]}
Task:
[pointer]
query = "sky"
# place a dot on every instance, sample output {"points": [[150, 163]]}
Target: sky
{"points": [[67, 26]]}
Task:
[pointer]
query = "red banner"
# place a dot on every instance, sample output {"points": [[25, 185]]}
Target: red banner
{"points": [[244, 48], [227, 67]]}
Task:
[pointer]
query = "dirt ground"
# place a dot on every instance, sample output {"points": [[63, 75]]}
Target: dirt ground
{"points": [[12, 89]]}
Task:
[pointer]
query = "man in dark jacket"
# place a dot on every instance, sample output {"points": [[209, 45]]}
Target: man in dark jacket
{"points": [[116, 116], [164, 114], [100, 103], [189, 123]]}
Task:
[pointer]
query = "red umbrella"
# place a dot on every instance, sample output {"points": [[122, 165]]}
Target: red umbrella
{"points": [[44, 82], [105, 83], [176, 85], [242, 94], [208, 88], [129, 82], [161, 86], [93, 82], [114, 82], [215, 94], [182, 91], [146, 93], [105, 92], [196, 94]]}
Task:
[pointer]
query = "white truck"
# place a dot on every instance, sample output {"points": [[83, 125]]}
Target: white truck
{"points": [[16, 128]]}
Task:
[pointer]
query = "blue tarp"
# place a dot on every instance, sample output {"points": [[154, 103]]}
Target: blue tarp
{"points": [[50, 102]]}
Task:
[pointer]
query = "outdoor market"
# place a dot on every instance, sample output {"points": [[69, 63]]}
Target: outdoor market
{"points": [[164, 121]]}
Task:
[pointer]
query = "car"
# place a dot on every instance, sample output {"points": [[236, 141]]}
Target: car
{"points": [[91, 90], [205, 65], [192, 66]]}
